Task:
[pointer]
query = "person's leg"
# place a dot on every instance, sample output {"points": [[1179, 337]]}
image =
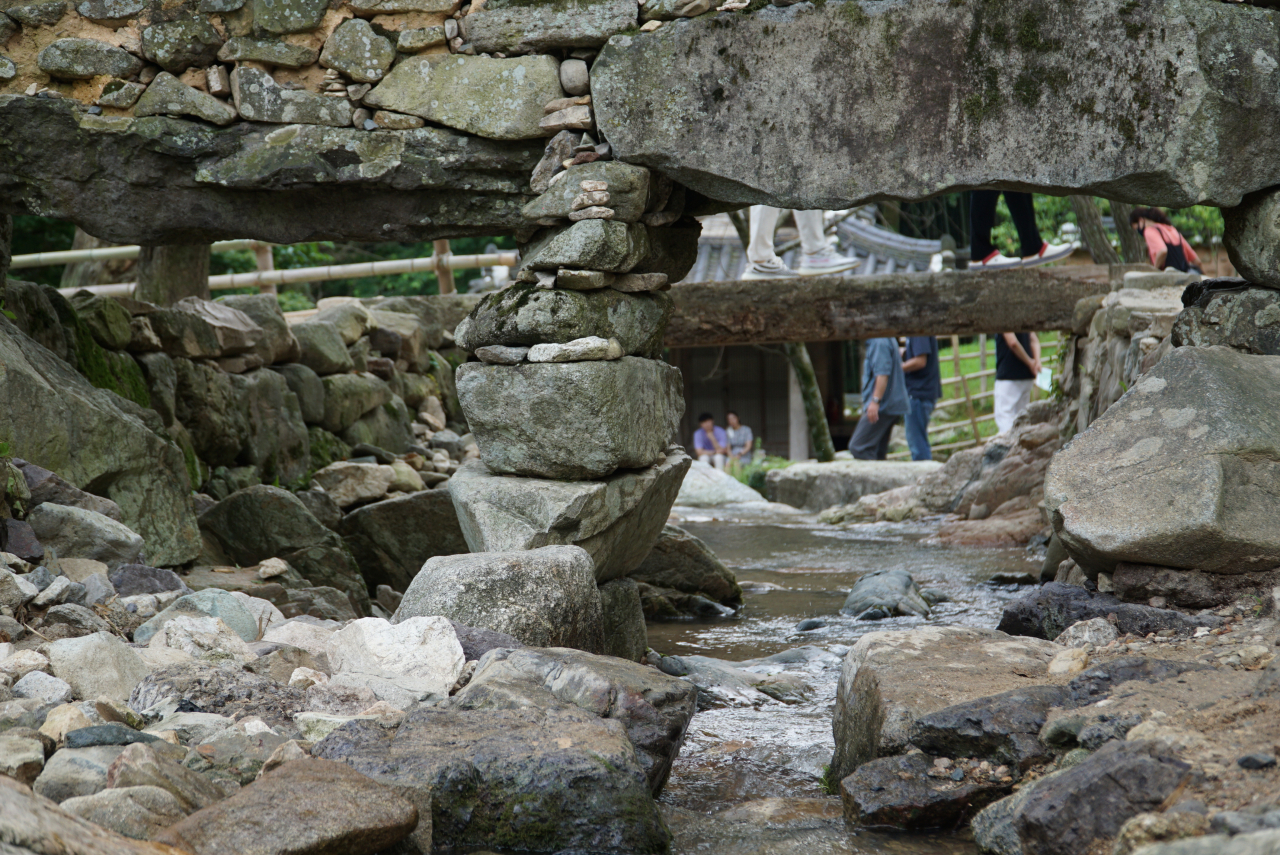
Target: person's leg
{"points": [[886, 434], [1023, 213], [1006, 401], [719, 462], [865, 442], [982, 219], [817, 256], [764, 222], [1023, 399], [809, 224], [917, 425], [704, 457]]}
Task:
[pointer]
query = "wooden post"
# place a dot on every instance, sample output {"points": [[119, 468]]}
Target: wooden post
{"points": [[964, 387], [819, 430], [982, 362], [266, 261], [444, 274], [167, 274]]}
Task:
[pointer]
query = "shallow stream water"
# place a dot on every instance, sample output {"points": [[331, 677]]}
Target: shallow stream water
{"points": [[748, 779]]}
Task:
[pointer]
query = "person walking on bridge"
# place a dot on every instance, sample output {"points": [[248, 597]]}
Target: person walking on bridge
{"points": [[982, 219], [817, 257]]}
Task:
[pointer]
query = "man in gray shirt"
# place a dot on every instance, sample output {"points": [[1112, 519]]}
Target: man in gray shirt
{"points": [[884, 400]]}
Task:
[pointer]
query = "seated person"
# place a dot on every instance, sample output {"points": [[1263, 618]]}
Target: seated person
{"points": [[741, 440], [710, 443]]}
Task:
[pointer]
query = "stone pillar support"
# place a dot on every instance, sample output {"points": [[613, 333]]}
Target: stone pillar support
{"points": [[167, 274]]}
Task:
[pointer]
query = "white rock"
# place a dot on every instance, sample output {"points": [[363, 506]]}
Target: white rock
{"points": [[192, 727], [589, 349], [39, 686], [263, 611], [54, 594], [349, 483], [15, 591], [315, 726], [1096, 631], [407, 479], [254, 726], [272, 568], [98, 665], [20, 664], [307, 634], [305, 678], [421, 653], [205, 638], [1073, 660], [156, 658], [706, 487]]}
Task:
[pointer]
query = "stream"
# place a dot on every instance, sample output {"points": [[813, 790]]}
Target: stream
{"points": [[748, 779]]}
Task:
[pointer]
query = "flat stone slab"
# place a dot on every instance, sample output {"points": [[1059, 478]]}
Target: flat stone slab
{"points": [[571, 421], [890, 680], [751, 134], [817, 486], [514, 26], [616, 520], [500, 99]]}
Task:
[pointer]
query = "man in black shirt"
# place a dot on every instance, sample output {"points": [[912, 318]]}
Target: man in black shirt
{"points": [[924, 388], [1017, 366]]}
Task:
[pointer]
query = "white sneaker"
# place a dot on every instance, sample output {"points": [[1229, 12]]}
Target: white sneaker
{"points": [[1049, 253], [774, 268], [825, 262], [996, 261]]}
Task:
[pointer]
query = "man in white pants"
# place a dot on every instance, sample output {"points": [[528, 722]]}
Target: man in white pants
{"points": [[817, 257], [1017, 366]]}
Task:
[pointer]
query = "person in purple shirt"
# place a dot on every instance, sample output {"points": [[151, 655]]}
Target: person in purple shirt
{"points": [[710, 442]]}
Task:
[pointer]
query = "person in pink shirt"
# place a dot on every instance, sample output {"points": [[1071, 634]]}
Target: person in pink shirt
{"points": [[1165, 244]]}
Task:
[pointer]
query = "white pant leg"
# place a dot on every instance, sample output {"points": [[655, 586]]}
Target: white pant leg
{"points": [[809, 224], [719, 462], [1011, 397], [764, 222]]}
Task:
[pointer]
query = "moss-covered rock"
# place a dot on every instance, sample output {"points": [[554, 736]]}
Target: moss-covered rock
{"points": [[107, 320], [271, 51], [519, 25], [358, 52], [325, 447], [81, 59], [178, 45], [288, 16]]}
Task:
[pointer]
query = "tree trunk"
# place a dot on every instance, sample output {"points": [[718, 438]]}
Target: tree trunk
{"points": [[1132, 246], [1096, 240], [819, 432], [84, 274], [843, 308], [167, 274]]}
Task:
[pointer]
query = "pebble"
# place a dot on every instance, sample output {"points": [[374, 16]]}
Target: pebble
{"points": [[575, 77], [595, 212], [1258, 760]]}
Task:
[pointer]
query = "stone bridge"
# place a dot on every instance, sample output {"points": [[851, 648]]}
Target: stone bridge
{"points": [[413, 119]]}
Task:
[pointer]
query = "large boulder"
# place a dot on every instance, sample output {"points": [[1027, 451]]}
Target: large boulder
{"points": [[219, 691], [347, 397], [80, 533], [390, 540], [275, 441], [1179, 472], [524, 314], [263, 522], [684, 563], [625, 633], [573, 775], [544, 597], [571, 421], [321, 347], [614, 519], [211, 602], [1252, 229], [1065, 816], [501, 99], [816, 486], [509, 25], [97, 666], [29, 823], [1246, 318], [890, 680], [654, 708], [421, 654], [301, 806], [896, 792], [58, 421], [46, 486]]}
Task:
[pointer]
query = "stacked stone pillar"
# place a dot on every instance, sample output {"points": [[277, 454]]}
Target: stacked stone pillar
{"points": [[571, 405]]}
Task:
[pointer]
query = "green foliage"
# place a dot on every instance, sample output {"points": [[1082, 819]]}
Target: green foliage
{"points": [[752, 474], [1200, 224], [294, 301], [41, 234], [4, 449]]}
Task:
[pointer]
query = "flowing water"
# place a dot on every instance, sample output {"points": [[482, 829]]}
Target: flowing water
{"points": [[748, 780]]}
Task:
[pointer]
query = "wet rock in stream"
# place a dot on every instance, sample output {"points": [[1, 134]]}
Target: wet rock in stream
{"points": [[898, 792]]}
